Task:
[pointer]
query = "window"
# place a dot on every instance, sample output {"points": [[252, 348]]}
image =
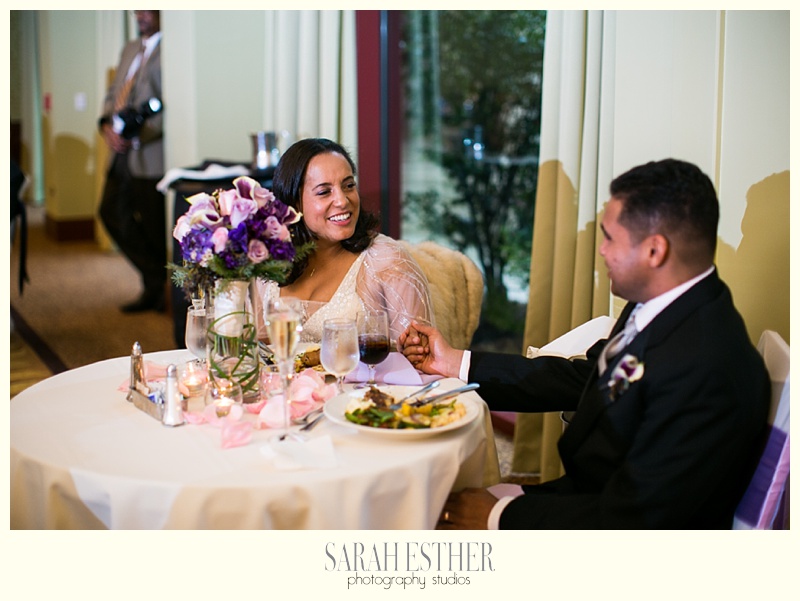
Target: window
{"points": [[471, 107]]}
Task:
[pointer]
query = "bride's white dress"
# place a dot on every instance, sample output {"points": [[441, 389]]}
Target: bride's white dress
{"points": [[384, 276]]}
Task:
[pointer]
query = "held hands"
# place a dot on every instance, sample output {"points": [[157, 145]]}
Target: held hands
{"points": [[428, 351]]}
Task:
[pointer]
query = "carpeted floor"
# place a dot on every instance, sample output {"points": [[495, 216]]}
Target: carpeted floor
{"points": [[68, 315], [73, 297], [26, 367]]}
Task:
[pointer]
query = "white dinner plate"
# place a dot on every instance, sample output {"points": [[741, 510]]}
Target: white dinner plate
{"points": [[335, 409]]}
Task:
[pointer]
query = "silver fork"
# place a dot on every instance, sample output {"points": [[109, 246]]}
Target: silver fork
{"points": [[306, 427], [312, 423], [297, 421]]}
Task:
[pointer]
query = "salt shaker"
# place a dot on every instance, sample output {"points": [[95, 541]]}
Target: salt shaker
{"points": [[173, 414]]}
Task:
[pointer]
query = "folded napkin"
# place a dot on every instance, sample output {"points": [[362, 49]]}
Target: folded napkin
{"points": [[396, 369], [153, 372], [577, 341], [213, 171], [314, 453]]}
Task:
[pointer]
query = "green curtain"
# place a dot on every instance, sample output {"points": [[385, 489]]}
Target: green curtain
{"points": [[568, 280]]}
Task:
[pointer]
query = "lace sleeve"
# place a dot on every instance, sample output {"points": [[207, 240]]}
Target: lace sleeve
{"points": [[391, 279]]}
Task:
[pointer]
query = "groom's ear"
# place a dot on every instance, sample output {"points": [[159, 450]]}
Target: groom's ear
{"points": [[657, 248]]}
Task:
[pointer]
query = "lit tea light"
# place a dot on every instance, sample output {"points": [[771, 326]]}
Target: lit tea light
{"points": [[223, 406], [223, 394], [193, 379]]}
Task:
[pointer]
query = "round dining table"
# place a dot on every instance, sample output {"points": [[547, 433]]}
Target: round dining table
{"points": [[84, 457]]}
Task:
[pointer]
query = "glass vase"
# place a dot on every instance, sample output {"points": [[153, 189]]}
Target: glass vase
{"points": [[232, 338]]}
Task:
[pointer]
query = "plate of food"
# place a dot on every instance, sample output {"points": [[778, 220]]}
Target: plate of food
{"points": [[305, 358], [308, 358], [367, 410]]}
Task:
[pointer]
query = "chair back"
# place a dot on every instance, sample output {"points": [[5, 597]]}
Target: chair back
{"points": [[577, 341], [764, 505], [456, 288]]}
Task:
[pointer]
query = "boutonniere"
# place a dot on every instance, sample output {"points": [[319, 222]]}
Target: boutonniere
{"points": [[628, 370]]}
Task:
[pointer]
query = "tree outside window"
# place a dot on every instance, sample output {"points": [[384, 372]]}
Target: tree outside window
{"points": [[471, 148]]}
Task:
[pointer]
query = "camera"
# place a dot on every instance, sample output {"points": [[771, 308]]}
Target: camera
{"points": [[128, 122]]}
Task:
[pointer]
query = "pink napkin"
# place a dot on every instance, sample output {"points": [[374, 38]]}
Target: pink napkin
{"points": [[396, 369], [153, 372]]}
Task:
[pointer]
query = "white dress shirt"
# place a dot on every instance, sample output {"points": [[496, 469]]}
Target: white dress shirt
{"points": [[149, 45]]}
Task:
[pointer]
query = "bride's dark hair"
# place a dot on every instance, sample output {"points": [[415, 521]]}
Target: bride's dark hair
{"points": [[287, 185]]}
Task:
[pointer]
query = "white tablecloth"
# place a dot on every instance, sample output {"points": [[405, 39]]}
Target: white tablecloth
{"points": [[83, 457]]}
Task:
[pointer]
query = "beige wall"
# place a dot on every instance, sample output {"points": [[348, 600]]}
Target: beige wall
{"points": [[754, 150], [68, 52], [712, 87], [213, 84]]}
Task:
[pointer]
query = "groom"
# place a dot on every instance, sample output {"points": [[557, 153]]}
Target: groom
{"points": [[667, 418]]}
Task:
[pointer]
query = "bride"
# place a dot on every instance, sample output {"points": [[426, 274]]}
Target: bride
{"points": [[353, 267]]}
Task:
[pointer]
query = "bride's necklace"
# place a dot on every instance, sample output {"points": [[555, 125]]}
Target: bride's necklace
{"points": [[314, 268]]}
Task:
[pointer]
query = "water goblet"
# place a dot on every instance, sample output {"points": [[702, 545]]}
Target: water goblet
{"points": [[373, 340], [197, 333], [339, 352]]}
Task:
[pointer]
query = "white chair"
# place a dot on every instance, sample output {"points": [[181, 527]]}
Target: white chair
{"points": [[764, 505], [456, 288], [577, 341]]}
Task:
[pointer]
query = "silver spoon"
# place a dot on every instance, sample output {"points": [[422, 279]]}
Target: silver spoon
{"points": [[440, 397], [306, 427]]}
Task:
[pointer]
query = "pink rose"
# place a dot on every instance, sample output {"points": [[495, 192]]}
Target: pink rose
{"points": [[257, 251], [226, 200], [263, 197], [276, 230], [241, 209], [219, 238], [182, 227]]}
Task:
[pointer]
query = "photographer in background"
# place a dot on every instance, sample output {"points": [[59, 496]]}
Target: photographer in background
{"points": [[131, 209]]}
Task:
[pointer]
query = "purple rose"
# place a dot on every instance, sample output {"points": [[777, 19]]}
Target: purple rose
{"points": [[241, 210]]}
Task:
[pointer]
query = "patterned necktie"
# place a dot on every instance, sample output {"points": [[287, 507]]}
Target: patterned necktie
{"points": [[618, 342], [122, 97]]}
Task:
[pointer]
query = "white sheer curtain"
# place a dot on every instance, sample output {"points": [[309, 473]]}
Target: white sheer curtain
{"points": [[568, 282], [313, 55]]}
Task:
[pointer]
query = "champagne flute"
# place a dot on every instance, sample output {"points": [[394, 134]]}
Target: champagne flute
{"points": [[339, 352], [283, 317], [373, 340]]}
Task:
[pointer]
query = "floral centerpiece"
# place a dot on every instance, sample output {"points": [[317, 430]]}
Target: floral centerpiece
{"points": [[236, 234], [228, 239]]}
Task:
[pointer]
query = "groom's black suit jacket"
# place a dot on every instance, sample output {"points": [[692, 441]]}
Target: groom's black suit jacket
{"points": [[675, 450]]}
